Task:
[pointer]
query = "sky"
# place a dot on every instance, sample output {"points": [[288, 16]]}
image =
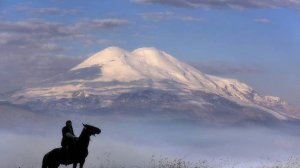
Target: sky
{"points": [[254, 41]]}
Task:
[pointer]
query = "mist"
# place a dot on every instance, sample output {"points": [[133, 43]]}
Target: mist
{"points": [[128, 142]]}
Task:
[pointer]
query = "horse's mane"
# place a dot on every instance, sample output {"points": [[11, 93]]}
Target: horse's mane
{"points": [[84, 137]]}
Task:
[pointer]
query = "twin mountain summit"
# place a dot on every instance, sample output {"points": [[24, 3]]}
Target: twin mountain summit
{"points": [[148, 82]]}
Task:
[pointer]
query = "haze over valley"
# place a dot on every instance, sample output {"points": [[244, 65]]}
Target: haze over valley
{"points": [[176, 83]]}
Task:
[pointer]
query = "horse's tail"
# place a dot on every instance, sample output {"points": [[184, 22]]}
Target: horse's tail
{"points": [[45, 161]]}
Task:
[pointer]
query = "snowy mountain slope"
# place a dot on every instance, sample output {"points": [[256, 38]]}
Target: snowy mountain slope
{"points": [[115, 77]]}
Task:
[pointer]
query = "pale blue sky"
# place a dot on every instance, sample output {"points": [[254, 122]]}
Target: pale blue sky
{"points": [[254, 41]]}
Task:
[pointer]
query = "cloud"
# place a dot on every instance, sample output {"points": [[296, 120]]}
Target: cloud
{"points": [[133, 143], [40, 28], [46, 10], [157, 16], [99, 24], [32, 50], [191, 19], [224, 68], [167, 15], [263, 20], [223, 4], [39, 36], [20, 71], [34, 37]]}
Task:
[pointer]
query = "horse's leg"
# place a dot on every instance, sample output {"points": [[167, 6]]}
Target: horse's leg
{"points": [[81, 164], [53, 166], [74, 165]]}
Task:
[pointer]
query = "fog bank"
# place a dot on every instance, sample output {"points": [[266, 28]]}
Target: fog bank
{"points": [[132, 142]]}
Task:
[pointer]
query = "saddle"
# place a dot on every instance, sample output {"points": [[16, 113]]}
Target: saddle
{"points": [[68, 151]]}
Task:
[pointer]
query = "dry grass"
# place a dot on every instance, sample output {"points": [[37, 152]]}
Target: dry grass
{"points": [[290, 163], [161, 162], [176, 163], [180, 163]]}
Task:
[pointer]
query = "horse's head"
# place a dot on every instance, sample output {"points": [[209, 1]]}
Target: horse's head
{"points": [[91, 130]]}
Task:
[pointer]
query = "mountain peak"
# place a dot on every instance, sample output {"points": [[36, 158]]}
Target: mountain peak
{"points": [[114, 73], [150, 63], [102, 57], [114, 50], [146, 51]]}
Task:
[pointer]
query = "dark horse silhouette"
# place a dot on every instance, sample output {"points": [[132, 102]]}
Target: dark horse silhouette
{"points": [[76, 155]]}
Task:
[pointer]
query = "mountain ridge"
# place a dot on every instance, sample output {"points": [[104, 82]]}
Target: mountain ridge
{"points": [[113, 72]]}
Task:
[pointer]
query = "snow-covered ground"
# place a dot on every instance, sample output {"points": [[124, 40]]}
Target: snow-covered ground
{"points": [[114, 72]]}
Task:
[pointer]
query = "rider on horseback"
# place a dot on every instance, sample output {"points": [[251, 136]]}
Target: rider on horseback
{"points": [[57, 156], [68, 140]]}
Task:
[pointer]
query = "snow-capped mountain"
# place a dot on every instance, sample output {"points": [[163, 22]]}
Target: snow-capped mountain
{"points": [[148, 79]]}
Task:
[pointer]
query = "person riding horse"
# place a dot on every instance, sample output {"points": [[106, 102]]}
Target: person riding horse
{"points": [[68, 136], [78, 154]]}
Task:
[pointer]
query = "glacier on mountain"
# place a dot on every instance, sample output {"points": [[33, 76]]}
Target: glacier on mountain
{"points": [[115, 77]]}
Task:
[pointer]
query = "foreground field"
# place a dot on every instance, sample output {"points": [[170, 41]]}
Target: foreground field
{"points": [[150, 143]]}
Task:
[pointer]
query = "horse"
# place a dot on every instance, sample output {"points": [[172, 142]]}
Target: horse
{"points": [[58, 156]]}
